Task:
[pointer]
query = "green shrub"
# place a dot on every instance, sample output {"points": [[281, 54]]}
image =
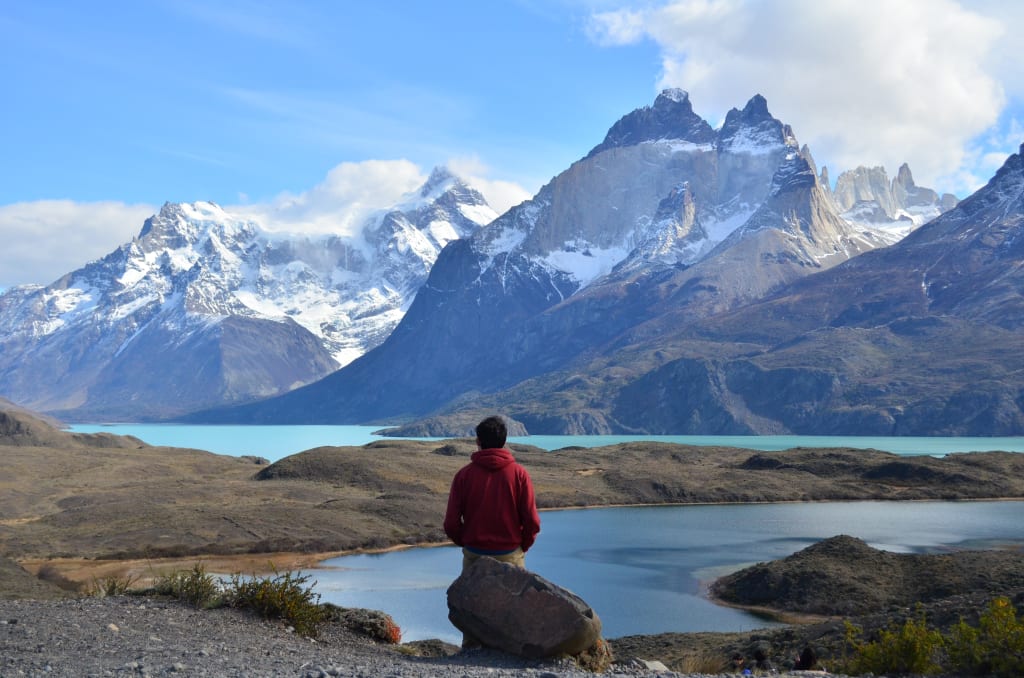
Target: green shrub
{"points": [[283, 596], [111, 586], [912, 648], [994, 648], [195, 587]]}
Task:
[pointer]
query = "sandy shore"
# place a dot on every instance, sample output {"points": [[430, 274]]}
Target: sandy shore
{"points": [[144, 570]]}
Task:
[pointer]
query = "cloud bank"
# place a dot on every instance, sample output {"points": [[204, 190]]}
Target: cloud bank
{"points": [[863, 82], [45, 239]]}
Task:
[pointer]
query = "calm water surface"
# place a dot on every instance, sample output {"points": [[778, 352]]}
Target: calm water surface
{"points": [[642, 568], [275, 442]]}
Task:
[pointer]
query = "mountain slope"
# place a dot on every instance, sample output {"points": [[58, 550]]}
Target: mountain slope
{"points": [[664, 216], [205, 308], [920, 338]]}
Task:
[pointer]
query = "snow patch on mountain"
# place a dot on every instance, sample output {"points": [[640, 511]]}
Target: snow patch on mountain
{"points": [[752, 141], [681, 146], [194, 263], [718, 229], [584, 262]]}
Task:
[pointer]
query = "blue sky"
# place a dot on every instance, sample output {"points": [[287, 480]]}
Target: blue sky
{"points": [[112, 108]]}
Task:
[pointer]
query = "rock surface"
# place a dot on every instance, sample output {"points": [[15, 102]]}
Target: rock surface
{"points": [[520, 612], [844, 576]]}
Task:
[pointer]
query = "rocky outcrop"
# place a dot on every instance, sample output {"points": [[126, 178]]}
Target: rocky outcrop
{"points": [[517, 611], [866, 196], [844, 576], [671, 117]]}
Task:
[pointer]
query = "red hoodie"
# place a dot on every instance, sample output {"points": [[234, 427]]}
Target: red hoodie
{"points": [[491, 506]]}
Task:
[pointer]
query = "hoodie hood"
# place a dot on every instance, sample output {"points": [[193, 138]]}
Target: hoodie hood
{"points": [[493, 459]]}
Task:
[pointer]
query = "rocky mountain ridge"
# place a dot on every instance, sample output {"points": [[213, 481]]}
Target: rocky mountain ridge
{"points": [[866, 196], [206, 307], [666, 217]]}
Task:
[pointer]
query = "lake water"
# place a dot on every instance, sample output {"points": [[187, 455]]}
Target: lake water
{"points": [[642, 568], [275, 442]]}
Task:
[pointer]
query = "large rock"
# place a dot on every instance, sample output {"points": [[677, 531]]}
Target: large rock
{"points": [[519, 612]]}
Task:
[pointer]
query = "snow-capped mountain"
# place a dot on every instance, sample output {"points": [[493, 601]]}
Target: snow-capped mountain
{"points": [[866, 197], [665, 216], [920, 338], [206, 307]]}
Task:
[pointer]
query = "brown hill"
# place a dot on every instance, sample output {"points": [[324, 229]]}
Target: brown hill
{"points": [[845, 576], [105, 496], [18, 428]]}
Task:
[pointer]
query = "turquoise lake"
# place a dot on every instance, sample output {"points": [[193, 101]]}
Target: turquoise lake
{"points": [[275, 442], [641, 568]]}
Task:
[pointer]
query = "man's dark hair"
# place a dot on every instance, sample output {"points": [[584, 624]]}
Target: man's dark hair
{"points": [[491, 432]]}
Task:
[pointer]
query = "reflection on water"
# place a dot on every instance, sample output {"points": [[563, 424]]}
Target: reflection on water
{"points": [[642, 568]]}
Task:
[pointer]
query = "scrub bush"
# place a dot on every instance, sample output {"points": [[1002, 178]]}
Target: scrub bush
{"points": [[195, 587], [283, 596], [912, 648], [994, 648], [111, 586]]}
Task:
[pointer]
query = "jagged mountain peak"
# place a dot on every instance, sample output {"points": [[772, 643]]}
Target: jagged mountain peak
{"points": [[904, 177], [754, 129], [441, 180], [276, 309], [865, 196], [670, 117], [178, 225], [445, 191], [672, 95]]}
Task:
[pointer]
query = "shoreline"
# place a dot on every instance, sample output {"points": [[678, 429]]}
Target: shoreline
{"points": [[145, 570]]}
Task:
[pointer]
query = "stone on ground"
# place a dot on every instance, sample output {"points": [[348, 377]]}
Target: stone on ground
{"points": [[519, 612]]}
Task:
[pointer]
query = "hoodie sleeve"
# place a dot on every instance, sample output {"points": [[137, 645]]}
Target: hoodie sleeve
{"points": [[528, 516], [453, 515]]}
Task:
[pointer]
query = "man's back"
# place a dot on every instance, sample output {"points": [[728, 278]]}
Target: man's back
{"points": [[491, 506]]}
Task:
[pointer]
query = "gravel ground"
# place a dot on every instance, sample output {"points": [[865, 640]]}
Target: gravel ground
{"points": [[128, 636]]}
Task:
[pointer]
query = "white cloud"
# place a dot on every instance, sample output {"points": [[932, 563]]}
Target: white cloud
{"points": [[352, 191], [501, 195], [863, 82], [45, 239], [341, 202]]}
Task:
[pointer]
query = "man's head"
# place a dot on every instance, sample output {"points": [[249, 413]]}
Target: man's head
{"points": [[491, 433]]}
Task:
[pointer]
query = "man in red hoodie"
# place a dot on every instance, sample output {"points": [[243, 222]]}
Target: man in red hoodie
{"points": [[491, 507]]}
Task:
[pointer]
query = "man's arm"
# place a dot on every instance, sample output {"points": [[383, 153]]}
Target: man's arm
{"points": [[528, 516], [453, 515]]}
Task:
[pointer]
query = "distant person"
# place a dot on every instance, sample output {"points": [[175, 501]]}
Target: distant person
{"points": [[491, 506]]}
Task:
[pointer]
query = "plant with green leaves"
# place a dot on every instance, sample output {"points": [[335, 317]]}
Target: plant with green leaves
{"points": [[912, 648], [994, 648], [283, 596], [196, 587], [111, 586]]}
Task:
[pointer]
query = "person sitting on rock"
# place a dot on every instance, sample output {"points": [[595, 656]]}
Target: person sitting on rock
{"points": [[491, 506]]}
